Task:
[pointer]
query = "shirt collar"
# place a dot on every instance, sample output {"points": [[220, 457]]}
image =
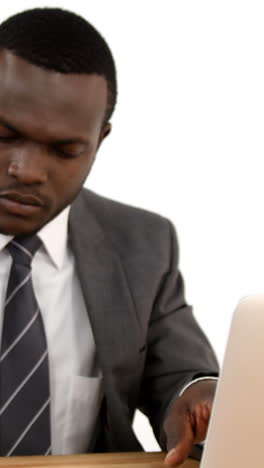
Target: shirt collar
{"points": [[54, 236]]}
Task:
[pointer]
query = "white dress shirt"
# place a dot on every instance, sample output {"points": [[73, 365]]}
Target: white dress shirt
{"points": [[75, 381]]}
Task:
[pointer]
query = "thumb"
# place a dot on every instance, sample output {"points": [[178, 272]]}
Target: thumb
{"points": [[178, 454], [180, 439]]}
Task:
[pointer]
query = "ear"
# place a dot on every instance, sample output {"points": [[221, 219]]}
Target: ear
{"points": [[106, 129]]}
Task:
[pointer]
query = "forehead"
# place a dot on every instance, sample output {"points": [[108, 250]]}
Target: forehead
{"points": [[32, 96]]}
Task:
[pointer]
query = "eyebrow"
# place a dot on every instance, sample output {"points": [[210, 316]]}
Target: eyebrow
{"points": [[64, 142]]}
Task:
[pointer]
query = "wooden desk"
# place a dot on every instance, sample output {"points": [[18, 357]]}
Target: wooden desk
{"points": [[108, 460]]}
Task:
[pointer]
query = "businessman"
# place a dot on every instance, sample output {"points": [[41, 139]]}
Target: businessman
{"points": [[93, 319]]}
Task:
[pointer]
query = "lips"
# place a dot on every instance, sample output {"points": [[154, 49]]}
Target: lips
{"points": [[18, 203], [25, 199]]}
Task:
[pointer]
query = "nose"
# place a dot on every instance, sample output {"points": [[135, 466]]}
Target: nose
{"points": [[27, 166]]}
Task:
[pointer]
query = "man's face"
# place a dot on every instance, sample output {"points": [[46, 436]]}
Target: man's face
{"points": [[50, 130]]}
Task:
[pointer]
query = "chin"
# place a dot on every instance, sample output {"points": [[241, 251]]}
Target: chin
{"points": [[19, 227], [16, 232]]}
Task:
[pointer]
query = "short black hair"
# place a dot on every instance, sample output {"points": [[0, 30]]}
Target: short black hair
{"points": [[62, 41]]}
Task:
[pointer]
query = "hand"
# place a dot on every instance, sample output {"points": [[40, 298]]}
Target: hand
{"points": [[187, 420]]}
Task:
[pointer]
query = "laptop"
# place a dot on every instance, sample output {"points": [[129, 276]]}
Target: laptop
{"points": [[235, 437]]}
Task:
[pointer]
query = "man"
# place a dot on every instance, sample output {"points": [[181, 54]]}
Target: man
{"points": [[101, 326]]}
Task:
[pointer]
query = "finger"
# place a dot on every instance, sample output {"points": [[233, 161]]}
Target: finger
{"points": [[178, 454], [201, 416], [179, 444]]}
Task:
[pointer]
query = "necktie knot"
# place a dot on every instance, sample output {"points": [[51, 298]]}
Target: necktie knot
{"points": [[23, 249]]}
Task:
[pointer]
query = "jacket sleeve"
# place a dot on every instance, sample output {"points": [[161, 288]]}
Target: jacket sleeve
{"points": [[177, 349]]}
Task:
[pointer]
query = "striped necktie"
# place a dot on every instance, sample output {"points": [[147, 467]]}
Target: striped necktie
{"points": [[24, 369]]}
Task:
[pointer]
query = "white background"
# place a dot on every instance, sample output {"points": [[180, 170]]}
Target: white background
{"points": [[187, 137]]}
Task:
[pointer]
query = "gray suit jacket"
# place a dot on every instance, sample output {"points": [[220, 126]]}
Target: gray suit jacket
{"points": [[148, 342]]}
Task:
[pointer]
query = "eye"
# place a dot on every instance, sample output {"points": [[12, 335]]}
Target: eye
{"points": [[8, 139], [71, 150], [7, 135], [64, 154]]}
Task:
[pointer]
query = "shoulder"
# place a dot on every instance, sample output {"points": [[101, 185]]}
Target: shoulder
{"points": [[118, 212], [114, 215], [126, 225]]}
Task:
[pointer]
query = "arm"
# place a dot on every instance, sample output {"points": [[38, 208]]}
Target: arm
{"points": [[178, 351]]}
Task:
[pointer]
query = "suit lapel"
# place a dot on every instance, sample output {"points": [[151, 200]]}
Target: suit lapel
{"points": [[106, 292], [117, 333]]}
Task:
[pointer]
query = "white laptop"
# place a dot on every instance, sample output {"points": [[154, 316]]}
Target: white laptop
{"points": [[235, 437]]}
